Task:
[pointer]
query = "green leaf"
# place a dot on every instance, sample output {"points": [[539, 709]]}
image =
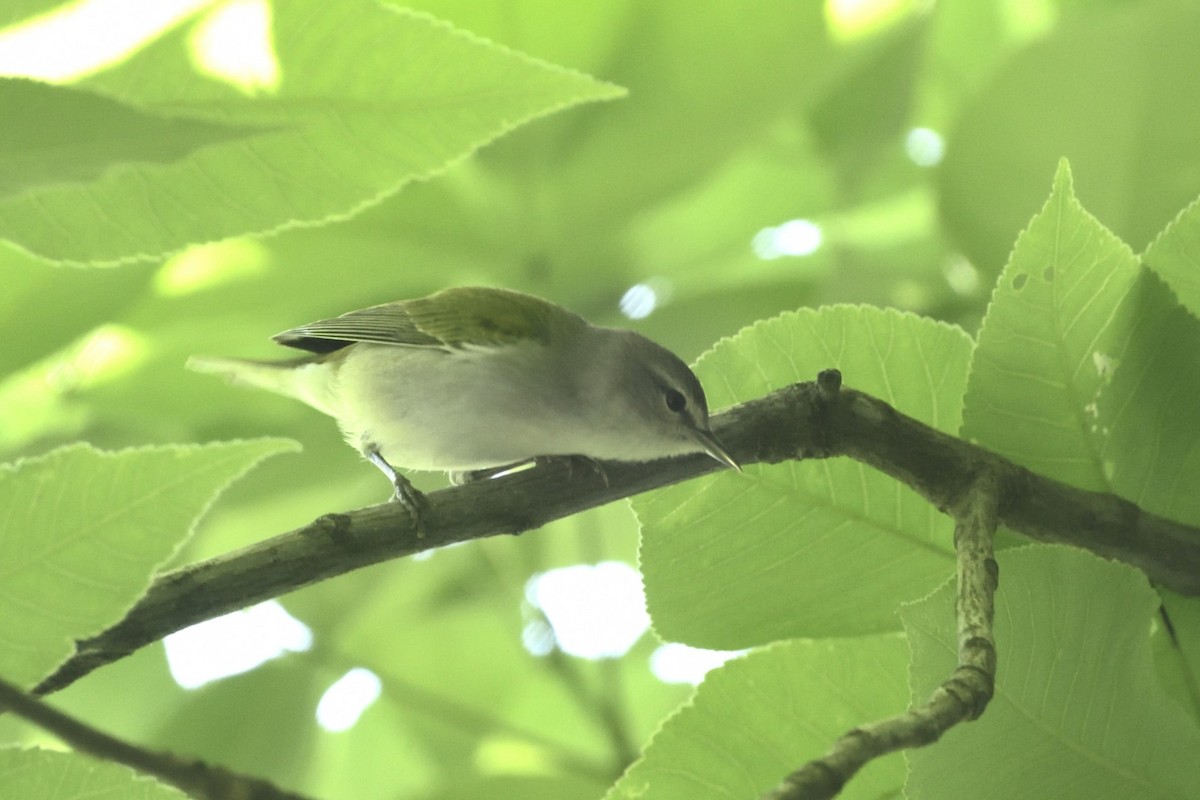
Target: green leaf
{"points": [[73, 136], [368, 98], [1048, 343], [1103, 89], [1175, 257], [84, 530], [1078, 710], [43, 775], [816, 548], [758, 718], [1083, 364]]}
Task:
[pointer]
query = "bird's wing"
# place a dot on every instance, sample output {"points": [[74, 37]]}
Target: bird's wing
{"points": [[451, 319], [390, 323]]}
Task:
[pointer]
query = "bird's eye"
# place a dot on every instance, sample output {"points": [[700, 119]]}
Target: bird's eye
{"points": [[675, 400]]}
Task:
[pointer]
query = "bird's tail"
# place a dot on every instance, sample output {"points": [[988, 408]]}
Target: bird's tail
{"points": [[308, 379]]}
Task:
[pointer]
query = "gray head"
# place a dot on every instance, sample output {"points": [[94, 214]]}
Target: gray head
{"points": [[657, 405]]}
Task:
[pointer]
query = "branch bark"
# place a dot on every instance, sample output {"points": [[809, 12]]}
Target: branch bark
{"points": [[806, 420]]}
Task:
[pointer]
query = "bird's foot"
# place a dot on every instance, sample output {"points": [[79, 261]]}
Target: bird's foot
{"points": [[407, 495], [414, 501]]}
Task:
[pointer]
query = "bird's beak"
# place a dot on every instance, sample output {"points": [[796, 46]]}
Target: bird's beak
{"points": [[714, 448]]}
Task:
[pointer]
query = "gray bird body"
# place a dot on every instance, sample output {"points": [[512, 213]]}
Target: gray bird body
{"points": [[473, 379]]}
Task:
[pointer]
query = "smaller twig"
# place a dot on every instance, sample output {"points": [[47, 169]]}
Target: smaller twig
{"points": [[961, 697], [196, 778], [600, 706]]}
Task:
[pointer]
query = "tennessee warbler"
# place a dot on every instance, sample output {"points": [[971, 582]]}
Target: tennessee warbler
{"points": [[472, 379]]}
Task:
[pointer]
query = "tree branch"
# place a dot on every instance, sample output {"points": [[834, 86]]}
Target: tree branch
{"points": [[198, 779], [806, 420], [961, 697]]}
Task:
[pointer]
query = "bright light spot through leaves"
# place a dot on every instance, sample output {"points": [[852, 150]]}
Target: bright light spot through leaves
{"points": [[508, 755], [538, 637], [234, 643], [639, 301], [37, 401], [848, 20], [208, 265], [78, 39], [678, 663], [924, 147], [106, 353], [797, 237], [233, 44], [596, 611], [644, 298], [962, 276], [345, 701]]}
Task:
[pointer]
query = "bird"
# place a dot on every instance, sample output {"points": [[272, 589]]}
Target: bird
{"points": [[471, 380]]}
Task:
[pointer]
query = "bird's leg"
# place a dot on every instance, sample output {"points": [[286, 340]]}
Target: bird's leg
{"points": [[406, 494]]}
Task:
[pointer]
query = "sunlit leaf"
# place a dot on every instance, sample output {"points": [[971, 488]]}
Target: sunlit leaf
{"points": [[819, 548], [1083, 364], [369, 98], [760, 717], [83, 530], [72, 136], [1078, 711]]}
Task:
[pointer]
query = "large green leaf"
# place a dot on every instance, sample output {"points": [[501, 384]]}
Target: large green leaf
{"points": [[819, 548], [44, 775], [83, 531], [1085, 363], [758, 718], [70, 136], [1078, 710], [1049, 340], [368, 98]]}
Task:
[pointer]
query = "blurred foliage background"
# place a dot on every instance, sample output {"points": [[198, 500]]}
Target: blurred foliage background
{"points": [[766, 157]]}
